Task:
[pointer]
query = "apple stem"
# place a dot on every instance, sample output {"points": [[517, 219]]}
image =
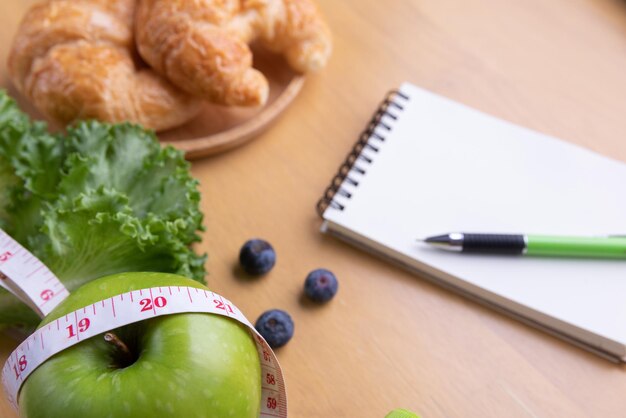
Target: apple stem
{"points": [[119, 344]]}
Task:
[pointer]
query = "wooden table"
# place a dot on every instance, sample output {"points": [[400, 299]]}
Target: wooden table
{"points": [[390, 339]]}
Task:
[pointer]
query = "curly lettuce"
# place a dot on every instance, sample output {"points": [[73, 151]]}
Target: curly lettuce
{"points": [[98, 200]]}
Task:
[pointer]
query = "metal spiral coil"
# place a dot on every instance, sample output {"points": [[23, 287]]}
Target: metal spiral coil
{"points": [[356, 153]]}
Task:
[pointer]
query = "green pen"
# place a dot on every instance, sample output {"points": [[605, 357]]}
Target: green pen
{"points": [[536, 245]]}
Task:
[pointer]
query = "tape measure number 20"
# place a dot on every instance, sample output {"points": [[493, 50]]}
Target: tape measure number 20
{"points": [[28, 276]]}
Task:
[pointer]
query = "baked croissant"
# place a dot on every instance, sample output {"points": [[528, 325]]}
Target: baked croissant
{"points": [[74, 60], [202, 45]]}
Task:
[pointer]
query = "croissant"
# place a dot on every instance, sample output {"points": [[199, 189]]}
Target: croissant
{"points": [[202, 45], [74, 60]]}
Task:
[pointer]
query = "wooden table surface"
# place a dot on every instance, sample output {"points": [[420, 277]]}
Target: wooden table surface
{"points": [[390, 339]]}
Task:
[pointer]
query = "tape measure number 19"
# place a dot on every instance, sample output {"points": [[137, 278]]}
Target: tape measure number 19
{"points": [[27, 278]]}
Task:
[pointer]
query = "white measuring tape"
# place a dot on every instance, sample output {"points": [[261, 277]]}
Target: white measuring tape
{"points": [[115, 312], [24, 275]]}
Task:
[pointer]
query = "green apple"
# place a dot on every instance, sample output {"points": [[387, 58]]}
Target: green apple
{"points": [[183, 365]]}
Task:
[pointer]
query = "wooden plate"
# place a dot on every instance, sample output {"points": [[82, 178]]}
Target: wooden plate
{"points": [[217, 128]]}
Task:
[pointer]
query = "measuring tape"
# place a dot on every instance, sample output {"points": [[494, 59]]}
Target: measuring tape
{"points": [[24, 275], [113, 313], [128, 308]]}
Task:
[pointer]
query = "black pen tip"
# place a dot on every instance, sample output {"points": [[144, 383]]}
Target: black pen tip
{"points": [[438, 239]]}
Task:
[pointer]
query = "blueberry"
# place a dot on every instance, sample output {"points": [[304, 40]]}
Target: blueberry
{"points": [[276, 327], [257, 257], [321, 285]]}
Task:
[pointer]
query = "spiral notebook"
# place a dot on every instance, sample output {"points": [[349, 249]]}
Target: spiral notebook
{"points": [[427, 165]]}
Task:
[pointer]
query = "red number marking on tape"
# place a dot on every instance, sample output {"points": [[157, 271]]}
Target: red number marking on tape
{"points": [[46, 295], [148, 305], [83, 325], [20, 366], [160, 302], [5, 256], [223, 306], [270, 379], [271, 403]]}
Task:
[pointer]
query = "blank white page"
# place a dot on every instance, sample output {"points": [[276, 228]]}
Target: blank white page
{"points": [[445, 167]]}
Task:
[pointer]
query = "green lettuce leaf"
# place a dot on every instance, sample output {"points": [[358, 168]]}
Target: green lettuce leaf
{"points": [[8, 182], [97, 234], [99, 200], [129, 159]]}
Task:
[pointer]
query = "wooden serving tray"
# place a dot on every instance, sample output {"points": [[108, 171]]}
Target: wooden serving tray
{"points": [[218, 128]]}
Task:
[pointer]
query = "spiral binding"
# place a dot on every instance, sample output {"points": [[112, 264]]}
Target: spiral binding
{"points": [[356, 153]]}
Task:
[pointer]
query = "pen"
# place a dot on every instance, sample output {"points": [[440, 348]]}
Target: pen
{"points": [[539, 245]]}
